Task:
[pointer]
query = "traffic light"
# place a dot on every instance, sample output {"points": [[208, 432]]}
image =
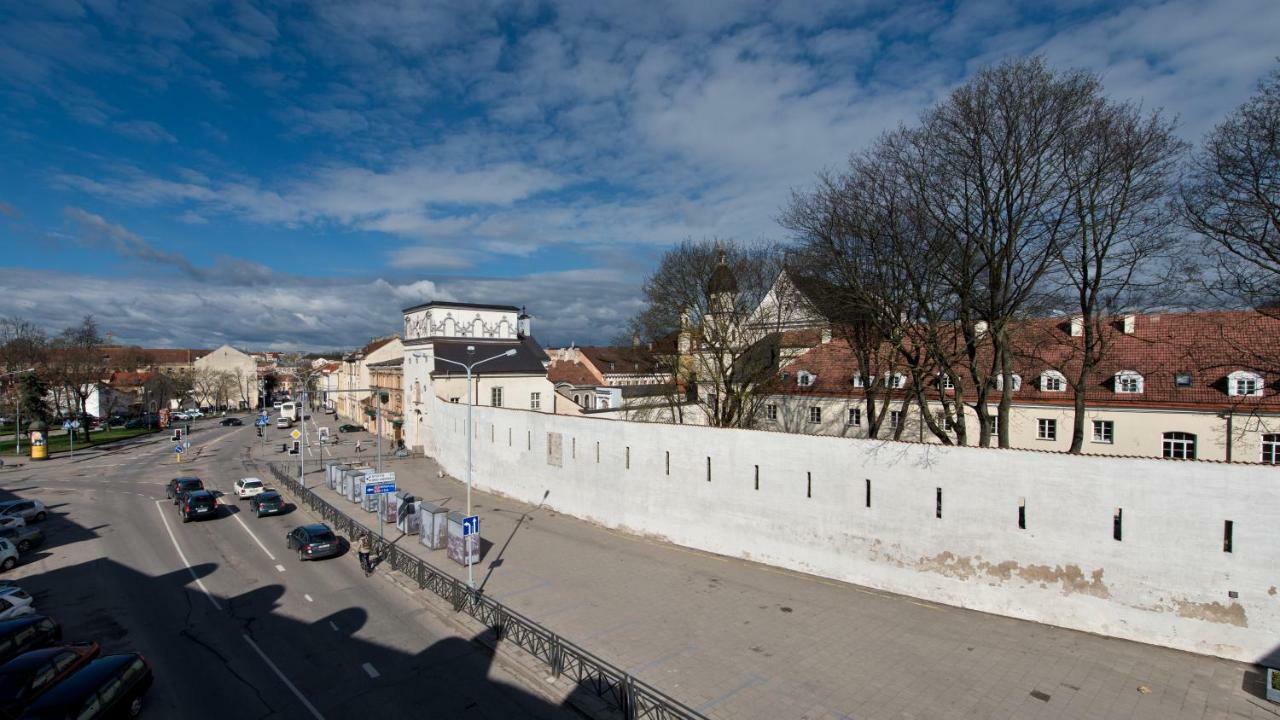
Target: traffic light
{"points": [[177, 434], [259, 432], [294, 451]]}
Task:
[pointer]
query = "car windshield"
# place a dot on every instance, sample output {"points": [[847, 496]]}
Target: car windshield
{"points": [[322, 536], [268, 497], [190, 485]]}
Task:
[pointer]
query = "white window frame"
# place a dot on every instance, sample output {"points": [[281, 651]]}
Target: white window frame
{"points": [[853, 418], [993, 422], [1051, 378], [771, 411], [1107, 436], [945, 422], [1238, 378], [1124, 378], [495, 396], [535, 401], [1017, 381], [1270, 448], [945, 383], [1178, 445], [1046, 429], [815, 414], [805, 378], [895, 381], [857, 380], [895, 418]]}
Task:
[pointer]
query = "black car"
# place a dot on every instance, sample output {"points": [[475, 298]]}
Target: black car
{"points": [[180, 485], [197, 504], [313, 541], [267, 502], [349, 428], [25, 677], [27, 633], [111, 686], [227, 422], [139, 423], [24, 538]]}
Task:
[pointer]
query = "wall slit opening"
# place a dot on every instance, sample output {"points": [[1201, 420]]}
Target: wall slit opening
{"points": [[1227, 530], [757, 477], [1117, 524], [938, 510], [597, 451], [668, 462], [1022, 513], [628, 461], [708, 468], [868, 483], [808, 484]]}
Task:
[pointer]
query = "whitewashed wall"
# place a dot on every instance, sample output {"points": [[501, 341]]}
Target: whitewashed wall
{"points": [[1166, 582]]}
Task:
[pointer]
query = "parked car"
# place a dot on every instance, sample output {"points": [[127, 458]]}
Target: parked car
{"points": [[12, 521], [313, 541], [26, 509], [15, 603], [140, 423], [8, 555], [178, 416], [231, 421], [194, 413], [25, 677], [267, 502], [349, 428], [110, 686], [27, 633], [180, 485], [248, 487], [197, 504], [284, 423], [328, 411], [276, 406], [24, 537]]}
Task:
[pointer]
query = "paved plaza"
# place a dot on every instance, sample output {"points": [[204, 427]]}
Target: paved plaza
{"points": [[735, 639]]}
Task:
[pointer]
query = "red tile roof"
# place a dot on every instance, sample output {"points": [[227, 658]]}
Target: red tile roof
{"points": [[1207, 345], [121, 378], [573, 373], [620, 360]]}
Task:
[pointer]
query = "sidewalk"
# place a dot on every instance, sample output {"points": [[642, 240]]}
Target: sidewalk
{"points": [[735, 639]]}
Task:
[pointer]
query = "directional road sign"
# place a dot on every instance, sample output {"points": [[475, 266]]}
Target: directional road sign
{"points": [[379, 488], [471, 525], [178, 448], [295, 434]]}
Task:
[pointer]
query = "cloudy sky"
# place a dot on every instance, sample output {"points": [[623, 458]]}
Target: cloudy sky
{"points": [[292, 175]]}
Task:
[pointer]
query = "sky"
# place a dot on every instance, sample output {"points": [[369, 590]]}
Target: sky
{"points": [[292, 175]]}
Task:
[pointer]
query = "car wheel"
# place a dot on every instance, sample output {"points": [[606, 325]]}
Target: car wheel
{"points": [[24, 545], [40, 516], [8, 563], [186, 519], [301, 557], [135, 707]]}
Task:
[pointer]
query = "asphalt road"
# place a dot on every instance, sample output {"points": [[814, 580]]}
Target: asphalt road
{"points": [[234, 625]]}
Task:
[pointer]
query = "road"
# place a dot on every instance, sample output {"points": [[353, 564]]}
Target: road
{"points": [[233, 624]]}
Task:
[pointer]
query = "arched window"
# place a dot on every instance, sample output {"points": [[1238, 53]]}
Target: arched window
{"points": [[805, 378], [1052, 381], [1128, 382], [1243, 383], [1180, 445]]}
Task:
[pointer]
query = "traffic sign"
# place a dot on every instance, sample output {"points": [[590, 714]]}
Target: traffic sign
{"points": [[379, 488], [295, 434], [66, 424], [471, 525], [178, 448]]}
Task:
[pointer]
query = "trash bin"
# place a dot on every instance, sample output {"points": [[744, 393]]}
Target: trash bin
{"points": [[434, 525], [389, 508], [368, 503], [331, 470], [459, 546], [407, 520]]}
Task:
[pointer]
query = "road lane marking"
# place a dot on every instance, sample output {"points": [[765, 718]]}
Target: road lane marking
{"points": [[301, 698], [236, 517], [372, 672], [178, 547], [279, 568], [308, 597], [332, 625]]}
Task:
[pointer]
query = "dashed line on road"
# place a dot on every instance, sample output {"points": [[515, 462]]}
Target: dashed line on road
{"points": [[371, 671], [279, 568], [308, 597], [301, 698], [255, 537], [183, 556]]}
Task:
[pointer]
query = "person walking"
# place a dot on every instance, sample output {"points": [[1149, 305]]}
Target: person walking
{"points": [[365, 548], [359, 449]]}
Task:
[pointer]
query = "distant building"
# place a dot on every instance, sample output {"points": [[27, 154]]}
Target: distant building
{"points": [[353, 374], [227, 377]]}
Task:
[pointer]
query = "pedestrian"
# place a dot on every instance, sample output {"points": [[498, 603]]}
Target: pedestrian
{"points": [[359, 449], [364, 550]]}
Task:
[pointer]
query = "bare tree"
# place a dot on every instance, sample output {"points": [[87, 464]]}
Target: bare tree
{"points": [[78, 365], [705, 295]]}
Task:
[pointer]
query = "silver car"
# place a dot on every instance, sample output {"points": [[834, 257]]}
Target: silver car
{"points": [[29, 510]]}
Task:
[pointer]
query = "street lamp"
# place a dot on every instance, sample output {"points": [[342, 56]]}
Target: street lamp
{"points": [[17, 413], [471, 581]]}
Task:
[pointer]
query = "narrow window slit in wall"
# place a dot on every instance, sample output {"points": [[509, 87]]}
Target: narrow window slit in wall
{"points": [[757, 477], [528, 439], [938, 512], [1117, 524], [628, 457], [493, 433], [573, 448], [868, 492], [1227, 528], [597, 451], [808, 484], [708, 468], [509, 443], [668, 462], [1022, 513]]}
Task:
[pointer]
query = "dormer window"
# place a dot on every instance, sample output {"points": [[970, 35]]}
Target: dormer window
{"points": [[1128, 382], [1182, 380], [1017, 381], [857, 380], [805, 378], [895, 381], [1052, 381], [1243, 383], [944, 382]]}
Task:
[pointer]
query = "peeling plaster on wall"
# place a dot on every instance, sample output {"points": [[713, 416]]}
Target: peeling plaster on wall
{"points": [[1272, 590], [1071, 576], [1232, 614]]}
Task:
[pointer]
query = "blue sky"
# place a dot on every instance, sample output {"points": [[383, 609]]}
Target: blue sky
{"points": [[290, 175]]}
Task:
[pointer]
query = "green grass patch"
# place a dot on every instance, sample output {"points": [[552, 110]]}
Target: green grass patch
{"points": [[61, 443]]}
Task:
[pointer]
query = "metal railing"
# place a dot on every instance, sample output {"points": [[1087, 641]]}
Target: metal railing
{"points": [[635, 699]]}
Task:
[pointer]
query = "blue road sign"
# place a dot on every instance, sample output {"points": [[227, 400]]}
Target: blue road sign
{"points": [[471, 525], [379, 488], [178, 448]]}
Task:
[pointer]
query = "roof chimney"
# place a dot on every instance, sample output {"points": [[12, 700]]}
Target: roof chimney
{"points": [[1077, 325]]}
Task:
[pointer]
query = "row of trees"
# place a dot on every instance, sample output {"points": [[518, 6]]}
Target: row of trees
{"points": [[1026, 191]]}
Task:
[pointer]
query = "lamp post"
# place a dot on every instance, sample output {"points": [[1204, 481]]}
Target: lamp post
{"points": [[17, 413], [471, 581]]}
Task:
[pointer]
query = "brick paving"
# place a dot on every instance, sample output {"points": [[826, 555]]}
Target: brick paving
{"points": [[736, 639]]}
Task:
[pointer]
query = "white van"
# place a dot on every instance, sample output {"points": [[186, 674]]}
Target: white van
{"points": [[284, 423]]}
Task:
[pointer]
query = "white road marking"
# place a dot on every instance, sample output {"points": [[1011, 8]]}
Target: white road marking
{"points": [[372, 672], [301, 698], [177, 547], [236, 517], [279, 568], [332, 625], [308, 597]]}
